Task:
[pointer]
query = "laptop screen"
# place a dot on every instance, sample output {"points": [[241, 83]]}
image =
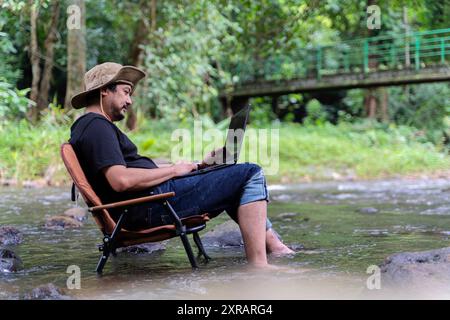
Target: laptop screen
{"points": [[235, 136]]}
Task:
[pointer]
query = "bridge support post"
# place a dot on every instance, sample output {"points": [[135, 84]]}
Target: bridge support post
{"points": [[366, 56], [417, 52], [319, 63]]}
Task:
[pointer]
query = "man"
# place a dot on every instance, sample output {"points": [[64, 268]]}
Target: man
{"points": [[117, 172]]}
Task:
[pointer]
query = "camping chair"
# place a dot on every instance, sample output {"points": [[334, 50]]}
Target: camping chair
{"points": [[114, 236]]}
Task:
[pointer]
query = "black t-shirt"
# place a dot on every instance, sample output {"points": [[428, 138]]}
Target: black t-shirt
{"points": [[98, 144]]}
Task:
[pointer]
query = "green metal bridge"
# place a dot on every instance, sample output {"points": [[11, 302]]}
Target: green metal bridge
{"points": [[417, 57]]}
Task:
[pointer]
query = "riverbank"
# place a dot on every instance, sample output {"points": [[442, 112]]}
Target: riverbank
{"points": [[29, 155]]}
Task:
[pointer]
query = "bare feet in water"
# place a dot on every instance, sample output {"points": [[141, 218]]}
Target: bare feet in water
{"points": [[274, 245]]}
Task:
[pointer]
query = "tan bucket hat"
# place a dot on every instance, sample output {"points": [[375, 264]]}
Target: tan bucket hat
{"points": [[104, 74]]}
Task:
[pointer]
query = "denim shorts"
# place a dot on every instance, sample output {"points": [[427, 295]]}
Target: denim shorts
{"points": [[213, 192]]}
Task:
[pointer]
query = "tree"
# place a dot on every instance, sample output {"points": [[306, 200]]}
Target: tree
{"points": [[143, 33], [34, 59], [41, 79], [49, 58], [76, 50]]}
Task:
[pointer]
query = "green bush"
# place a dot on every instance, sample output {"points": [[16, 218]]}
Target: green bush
{"points": [[13, 102]]}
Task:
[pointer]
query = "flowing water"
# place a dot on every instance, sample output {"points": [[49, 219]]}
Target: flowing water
{"points": [[339, 229]]}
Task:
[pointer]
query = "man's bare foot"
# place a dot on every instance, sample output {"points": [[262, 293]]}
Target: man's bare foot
{"points": [[264, 267], [274, 245]]}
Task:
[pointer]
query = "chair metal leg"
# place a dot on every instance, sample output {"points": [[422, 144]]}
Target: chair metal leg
{"points": [[200, 247], [102, 262], [187, 247], [108, 245], [181, 231]]}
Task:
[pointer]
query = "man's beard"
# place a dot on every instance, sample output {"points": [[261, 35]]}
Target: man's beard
{"points": [[119, 115]]}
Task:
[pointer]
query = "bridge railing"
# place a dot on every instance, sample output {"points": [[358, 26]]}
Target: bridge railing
{"points": [[415, 50]]}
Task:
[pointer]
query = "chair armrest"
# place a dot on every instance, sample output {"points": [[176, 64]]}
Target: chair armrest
{"points": [[132, 201]]}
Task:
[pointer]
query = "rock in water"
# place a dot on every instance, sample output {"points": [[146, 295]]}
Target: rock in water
{"points": [[427, 268], [149, 248], [226, 234], [46, 292], [61, 223], [10, 236], [77, 213], [368, 210], [287, 215], [9, 261]]}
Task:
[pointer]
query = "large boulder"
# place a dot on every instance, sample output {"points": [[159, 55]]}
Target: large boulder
{"points": [[46, 292], [61, 223], [226, 234], [9, 261], [10, 236], [418, 269], [76, 213]]}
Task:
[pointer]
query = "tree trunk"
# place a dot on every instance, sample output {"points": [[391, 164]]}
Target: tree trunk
{"points": [[407, 53], [34, 60], [49, 53], [76, 56], [370, 103], [136, 55], [384, 104]]}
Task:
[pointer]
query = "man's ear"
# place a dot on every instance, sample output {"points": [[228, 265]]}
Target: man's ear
{"points": [[103, 92]]}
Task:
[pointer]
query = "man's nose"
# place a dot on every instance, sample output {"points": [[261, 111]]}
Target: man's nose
{"points": [[129, 101]]}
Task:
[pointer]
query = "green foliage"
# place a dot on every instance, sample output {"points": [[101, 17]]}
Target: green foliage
{"points": [[363, 150], [180, 59], [423, 106], [201, 46], [316, 113], [360, 150], [8, 71], [261, 114], [13, 102], [28, 152]]}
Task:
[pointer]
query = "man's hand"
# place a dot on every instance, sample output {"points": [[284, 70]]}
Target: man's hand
{"points": [[211, 158], [183, 167]]}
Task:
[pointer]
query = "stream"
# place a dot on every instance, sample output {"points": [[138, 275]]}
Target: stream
{"points": [[338, 229]]}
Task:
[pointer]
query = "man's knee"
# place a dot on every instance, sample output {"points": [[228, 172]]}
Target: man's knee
{"points": [[252, 169]]}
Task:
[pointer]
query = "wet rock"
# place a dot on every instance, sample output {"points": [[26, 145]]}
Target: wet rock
{"points": [[10, 236], [35, 184], [286, 215], [148, 248], [46, 292], [77, 213], [372, 232], [368, 210], [8, 182], [226, 234], [9, 261], [61, 223], [283, 197], [441, 210], [426, 268]]}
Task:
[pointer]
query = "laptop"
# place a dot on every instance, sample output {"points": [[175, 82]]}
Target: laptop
{"points": [[232, 147]]}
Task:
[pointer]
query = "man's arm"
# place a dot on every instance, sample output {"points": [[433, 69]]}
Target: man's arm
{"points": [[164, 165], [123, 179]]}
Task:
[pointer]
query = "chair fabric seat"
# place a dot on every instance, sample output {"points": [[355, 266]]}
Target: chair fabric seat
{"points": [[128, 238]]}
